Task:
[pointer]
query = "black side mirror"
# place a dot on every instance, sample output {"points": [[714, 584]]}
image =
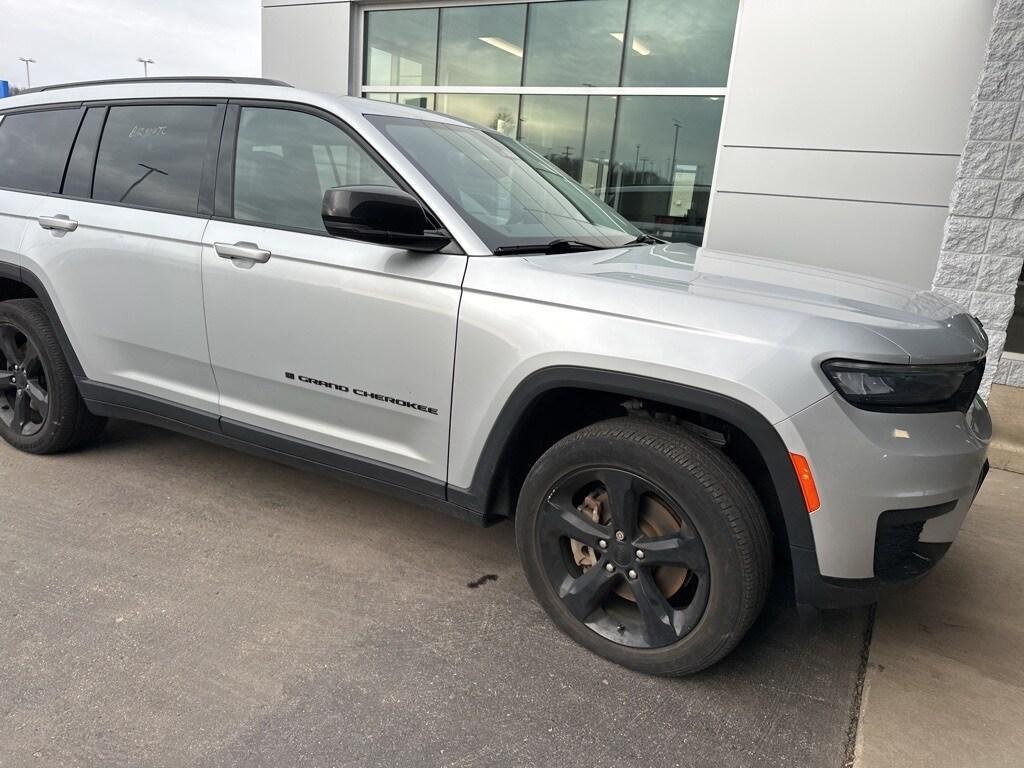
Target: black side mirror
{"points": [[383, 215]]}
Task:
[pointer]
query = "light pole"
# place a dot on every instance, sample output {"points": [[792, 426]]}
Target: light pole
{"points": [[675, 149], [145, 65], [28, 72]]}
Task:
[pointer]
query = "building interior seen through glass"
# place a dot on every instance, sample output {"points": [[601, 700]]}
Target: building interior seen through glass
{"points": [[645, 83]]}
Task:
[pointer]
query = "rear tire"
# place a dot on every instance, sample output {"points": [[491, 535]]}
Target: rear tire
{"points": [[645, 544], [41, 410]]}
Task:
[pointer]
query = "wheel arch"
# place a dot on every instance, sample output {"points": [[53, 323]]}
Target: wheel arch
{"points": [[494, 486], [17, 282]]}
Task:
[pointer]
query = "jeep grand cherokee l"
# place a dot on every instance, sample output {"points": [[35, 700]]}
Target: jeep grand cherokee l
{"points": [[401, 299]]}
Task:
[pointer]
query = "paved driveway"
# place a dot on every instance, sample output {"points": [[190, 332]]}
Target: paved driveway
{"points": [[168, 602]]}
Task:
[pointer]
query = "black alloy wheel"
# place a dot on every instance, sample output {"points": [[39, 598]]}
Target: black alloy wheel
{"points": [[645, 544], [41, 410], [24, 399], [623, 560]]}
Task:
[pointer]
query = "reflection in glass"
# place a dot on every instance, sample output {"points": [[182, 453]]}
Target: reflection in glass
{"points": [[509, 195], [575, 43], [285, 161], [597, 152], [401, 47], [572, 132], [679, 42], [482, 45], [152, 156], [497, 111], [664, 159], [421, 100]]}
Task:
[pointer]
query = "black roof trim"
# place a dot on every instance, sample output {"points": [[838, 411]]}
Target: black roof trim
{"points": [[127, 80]]}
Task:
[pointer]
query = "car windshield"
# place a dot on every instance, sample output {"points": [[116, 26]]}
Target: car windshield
{"points": [[512, 197]]}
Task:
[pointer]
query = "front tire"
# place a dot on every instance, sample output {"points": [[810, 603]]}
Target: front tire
{"points": [[41, 410], [645, 544]]}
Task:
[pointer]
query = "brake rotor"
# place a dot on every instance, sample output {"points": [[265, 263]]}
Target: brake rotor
{"points": [[656, 519]]}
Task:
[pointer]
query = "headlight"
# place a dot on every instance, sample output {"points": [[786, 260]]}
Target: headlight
{"points": [[906, 388]]}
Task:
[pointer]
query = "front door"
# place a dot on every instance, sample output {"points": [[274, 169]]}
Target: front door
{"points": [[338, 350]]}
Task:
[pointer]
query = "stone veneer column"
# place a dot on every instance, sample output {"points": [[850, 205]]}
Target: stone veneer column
{"points": [[983, 242]]}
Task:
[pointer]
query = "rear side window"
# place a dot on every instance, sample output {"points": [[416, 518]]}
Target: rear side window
{"points": [[78, 179], [34, 148], [152, 156]]}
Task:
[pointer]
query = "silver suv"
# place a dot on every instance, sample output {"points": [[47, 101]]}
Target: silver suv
{"points": [[397, 298]]}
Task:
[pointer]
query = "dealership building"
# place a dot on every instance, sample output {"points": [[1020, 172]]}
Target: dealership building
{"points": [[874, 136]]}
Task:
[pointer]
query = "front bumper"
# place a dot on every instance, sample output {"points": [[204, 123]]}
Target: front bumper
{"points": [[895, 489]]}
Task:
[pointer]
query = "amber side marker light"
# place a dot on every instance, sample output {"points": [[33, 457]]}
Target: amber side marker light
{"points": [[807, 486]]}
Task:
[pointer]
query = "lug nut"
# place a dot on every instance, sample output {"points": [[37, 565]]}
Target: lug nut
{"points": [[639, 554], [631, 574], [602, 544], [619, 536], [609, 567]]}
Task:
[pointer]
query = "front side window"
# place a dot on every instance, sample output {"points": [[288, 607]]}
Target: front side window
{"points": [[286, 160], [34, 148], [508, 194], [152, 156]]}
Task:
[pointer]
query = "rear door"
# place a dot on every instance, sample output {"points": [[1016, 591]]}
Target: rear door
{"points": [[34, 147], [340, 349], [120, 250]]}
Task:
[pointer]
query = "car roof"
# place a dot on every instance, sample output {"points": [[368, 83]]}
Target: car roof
{"points": [[346, 107]]}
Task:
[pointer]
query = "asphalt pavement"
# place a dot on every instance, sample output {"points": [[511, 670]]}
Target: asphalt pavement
{"points": [[168, 602]]}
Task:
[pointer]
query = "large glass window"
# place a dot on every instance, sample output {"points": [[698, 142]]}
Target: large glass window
{"points": [[679, 42], [34, 147], [401, 47], [286, 160], [497, 111], [420, 100], [664, 159], [651, 156], [573, 132], [153, 156], [482, 45], [578, 42]]}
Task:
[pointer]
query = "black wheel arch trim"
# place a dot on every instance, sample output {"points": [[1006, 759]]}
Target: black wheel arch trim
{"points": [[742, 416], [29, 279]]}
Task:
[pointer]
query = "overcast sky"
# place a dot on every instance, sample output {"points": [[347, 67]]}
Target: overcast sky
{"points": [[91, 39]]}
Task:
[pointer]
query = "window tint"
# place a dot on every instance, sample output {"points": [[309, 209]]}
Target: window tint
{"points": [[78, 180], [34, 148], [286, 160], [152, 156]]}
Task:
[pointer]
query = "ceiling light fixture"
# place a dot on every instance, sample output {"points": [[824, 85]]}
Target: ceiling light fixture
{"points": [[638, 46], [504, 45]]}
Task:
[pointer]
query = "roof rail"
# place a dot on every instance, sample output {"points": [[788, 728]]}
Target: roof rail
{"points": [[127, 80]]}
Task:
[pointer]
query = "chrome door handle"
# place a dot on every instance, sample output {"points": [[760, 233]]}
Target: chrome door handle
{"points": [[60, 222], [247, 251]]}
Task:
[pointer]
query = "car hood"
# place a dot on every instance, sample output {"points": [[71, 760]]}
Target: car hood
{"points": [[927, 326]]}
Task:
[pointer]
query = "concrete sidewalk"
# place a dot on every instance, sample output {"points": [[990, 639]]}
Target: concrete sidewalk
{"points": [[945, 677]]}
